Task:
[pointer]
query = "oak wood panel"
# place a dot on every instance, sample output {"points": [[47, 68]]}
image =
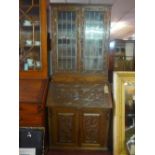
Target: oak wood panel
{"points": [[79, 78], [79, 95], [94, 125], [63, 127], [79, 128]]}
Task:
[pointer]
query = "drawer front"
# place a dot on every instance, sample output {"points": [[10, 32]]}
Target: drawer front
{"points": [[31, 108], [31, 115], [32, 120]]}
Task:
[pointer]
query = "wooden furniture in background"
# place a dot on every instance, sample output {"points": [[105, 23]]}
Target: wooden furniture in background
{"points": [[121, 56], [33, 73], [33, 39]]}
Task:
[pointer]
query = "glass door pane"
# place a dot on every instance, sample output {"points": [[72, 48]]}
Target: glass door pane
{"points": [[66, 41], [29, 35], [93, 40]]}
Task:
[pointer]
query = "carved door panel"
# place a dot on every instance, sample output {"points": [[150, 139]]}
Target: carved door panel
{"points": [[94, 128], [65, 127]]}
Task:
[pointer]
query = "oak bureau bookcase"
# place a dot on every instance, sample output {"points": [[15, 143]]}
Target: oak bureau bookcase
{"points": [[79, 97]]}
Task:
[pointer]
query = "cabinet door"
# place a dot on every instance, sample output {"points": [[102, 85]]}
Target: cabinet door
{"points": [[64, 127], [95, 43], [94, 128], [65, 39], [80, 38], [32, 43]]}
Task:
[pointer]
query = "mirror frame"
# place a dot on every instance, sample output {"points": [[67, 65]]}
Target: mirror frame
{"points": [[119, 78]]}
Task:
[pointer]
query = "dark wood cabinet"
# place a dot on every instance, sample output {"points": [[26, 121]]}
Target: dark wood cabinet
{"points": [[121, 56], [79, 116]]}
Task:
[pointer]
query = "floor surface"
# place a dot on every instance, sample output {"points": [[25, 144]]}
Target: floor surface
{"points": [[72, 152]]}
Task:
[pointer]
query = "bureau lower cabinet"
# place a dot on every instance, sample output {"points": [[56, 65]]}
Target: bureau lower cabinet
{"points": [[79, 116]]}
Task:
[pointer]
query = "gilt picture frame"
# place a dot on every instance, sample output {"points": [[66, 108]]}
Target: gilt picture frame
{"points": [[120, 80]]}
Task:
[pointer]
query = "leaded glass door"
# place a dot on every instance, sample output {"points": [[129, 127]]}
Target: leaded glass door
{"points": [[29, 35], [66, 40], [93, 41]]}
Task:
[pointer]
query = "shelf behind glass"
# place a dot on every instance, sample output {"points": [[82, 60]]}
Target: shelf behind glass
{"points": [[28, 2]]}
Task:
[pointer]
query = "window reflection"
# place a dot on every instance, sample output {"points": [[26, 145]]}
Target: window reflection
{"points": [[129, 105], [94, 35], [130, 117]]}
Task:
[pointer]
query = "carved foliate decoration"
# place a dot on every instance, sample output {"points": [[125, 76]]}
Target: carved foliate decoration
{"points": [[91, 128], [65, 129]]}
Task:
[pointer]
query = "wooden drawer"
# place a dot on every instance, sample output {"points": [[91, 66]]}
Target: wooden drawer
{"points": [[34, 119], [31, 115], [30, 108]]}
